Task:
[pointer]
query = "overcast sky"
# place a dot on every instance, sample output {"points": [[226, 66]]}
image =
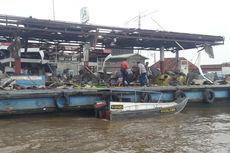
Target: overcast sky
{"points": [[189, 16]]}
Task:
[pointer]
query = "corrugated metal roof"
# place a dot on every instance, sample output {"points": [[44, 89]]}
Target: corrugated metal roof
{"points": [[211, 66], [110, 37], [170, 64], [125, 56]]}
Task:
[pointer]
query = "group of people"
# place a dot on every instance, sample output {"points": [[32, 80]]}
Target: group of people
{"points": [[143, 73]]}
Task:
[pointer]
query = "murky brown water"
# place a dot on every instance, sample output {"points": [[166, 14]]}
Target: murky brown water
{"points": [[196, 129]]}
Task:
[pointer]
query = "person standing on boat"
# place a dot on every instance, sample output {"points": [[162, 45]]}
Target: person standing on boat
{"points": [[124, 72], [142, 72]]}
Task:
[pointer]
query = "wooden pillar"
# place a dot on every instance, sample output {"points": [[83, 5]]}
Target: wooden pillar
{"points": [[162, 60], [177, 61]]}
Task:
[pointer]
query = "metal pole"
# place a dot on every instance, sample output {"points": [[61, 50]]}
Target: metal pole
{"points": [[162, 59], [56, 53], [154, 58], [139, 21], [86, 48], [177, 61], [53, 10]]}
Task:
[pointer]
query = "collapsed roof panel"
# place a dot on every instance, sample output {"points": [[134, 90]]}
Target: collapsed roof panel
{"points": [[109, 37]]}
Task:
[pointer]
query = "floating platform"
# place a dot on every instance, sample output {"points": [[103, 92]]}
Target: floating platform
{"points": [[49, 100]]}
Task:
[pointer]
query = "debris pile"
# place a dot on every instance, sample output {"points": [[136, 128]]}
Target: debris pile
{"points": [[88, 79]]}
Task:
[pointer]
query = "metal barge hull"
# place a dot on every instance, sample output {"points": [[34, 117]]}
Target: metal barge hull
{"points": [[46, 100], [27, 101]]}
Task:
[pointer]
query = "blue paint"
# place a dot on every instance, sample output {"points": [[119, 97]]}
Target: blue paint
{"points": [[195, 95], [30, 81], [221, 93], [168, 96], [23, 104], [83, 100], [10, 105]]}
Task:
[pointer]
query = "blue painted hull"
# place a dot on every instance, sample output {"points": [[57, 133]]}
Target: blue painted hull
{"points": [[45, 101], [24, 101]]}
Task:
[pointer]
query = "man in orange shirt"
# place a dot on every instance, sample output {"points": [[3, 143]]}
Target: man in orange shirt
{"points": [[124, 72]]}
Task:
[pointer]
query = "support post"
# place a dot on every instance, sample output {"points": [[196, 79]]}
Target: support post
{"points": [[14, 49], [162, 59], [86, 48], [56, 54], [177, 61], [26, 44], [17, 65], [53, 10]]}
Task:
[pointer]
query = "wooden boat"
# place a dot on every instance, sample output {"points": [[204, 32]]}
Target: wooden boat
{"points": [[118, 109]]}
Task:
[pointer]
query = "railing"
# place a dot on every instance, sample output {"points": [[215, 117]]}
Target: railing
{"points": [[135, 92]]}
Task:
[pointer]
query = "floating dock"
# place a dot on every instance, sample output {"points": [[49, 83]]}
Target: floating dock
{"points": [[50, 100]]}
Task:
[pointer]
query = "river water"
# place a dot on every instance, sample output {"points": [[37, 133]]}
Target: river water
{"points": [[201, 128]]}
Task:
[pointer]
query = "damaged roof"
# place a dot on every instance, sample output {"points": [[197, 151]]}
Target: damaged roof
{"points": [[171, 64], [126, 56], [49, 31]]}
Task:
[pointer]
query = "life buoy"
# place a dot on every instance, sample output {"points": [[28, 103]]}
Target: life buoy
{"points": [[61, 101], [179, 94], [209, 96]]}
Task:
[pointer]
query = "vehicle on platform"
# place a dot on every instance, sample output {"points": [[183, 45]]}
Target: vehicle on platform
{"points": [[137, 104]]}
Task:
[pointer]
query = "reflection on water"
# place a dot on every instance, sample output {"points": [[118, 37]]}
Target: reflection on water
{"points": [[201, 128]]}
